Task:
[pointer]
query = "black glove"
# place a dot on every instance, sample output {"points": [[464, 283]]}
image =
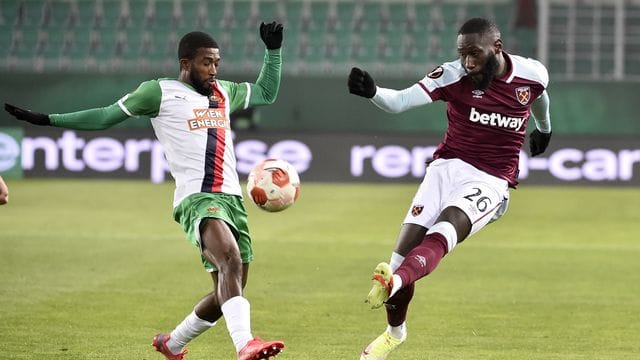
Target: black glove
{"points": [[271, 34], [361, 83], [28, 115], [538, 142]]}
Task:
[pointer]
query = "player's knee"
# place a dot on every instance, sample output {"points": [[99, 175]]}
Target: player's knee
{"points": [[448, 231], [231, 262], [455, 216], [227, 259]]}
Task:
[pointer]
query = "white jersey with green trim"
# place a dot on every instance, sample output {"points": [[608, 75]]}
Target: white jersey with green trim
{"points": [[194, 130]]}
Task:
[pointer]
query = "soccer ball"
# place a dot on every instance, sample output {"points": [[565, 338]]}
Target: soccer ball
{"points": [[273, 185]]}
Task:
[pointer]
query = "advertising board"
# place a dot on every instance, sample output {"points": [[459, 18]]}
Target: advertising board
{"points": [[338, 157]]}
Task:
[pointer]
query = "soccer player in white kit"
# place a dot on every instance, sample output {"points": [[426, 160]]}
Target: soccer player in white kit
{"points": [[490, 96], [190, 117]]}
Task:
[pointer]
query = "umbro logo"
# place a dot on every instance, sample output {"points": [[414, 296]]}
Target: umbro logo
{"points": [[421, 259]]}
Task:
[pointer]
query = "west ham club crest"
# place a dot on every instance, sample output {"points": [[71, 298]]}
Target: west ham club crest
{"points": [[523, 94], [417, 210]]}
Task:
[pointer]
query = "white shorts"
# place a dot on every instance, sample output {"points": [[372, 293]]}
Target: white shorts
{"points": [[453, 182]]}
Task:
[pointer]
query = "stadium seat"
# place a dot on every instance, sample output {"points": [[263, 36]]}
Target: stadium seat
{"points": [[344, 11], [242, 12], [168, 15], [264, 11], [294, 15], [403, 16], [105, 14], [341, 54], [24, 43], [391, 45], [372, 23], [417, 33], [8, 11], [312, 15], [27, 14], [49, 14]]}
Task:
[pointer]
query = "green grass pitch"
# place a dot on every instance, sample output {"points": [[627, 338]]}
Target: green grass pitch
{"points": [[93, 269]]}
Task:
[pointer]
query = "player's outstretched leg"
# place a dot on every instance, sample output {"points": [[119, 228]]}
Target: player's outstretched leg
{"points": [[160, 343], [382, 284], [258, 349], [381, 347]]}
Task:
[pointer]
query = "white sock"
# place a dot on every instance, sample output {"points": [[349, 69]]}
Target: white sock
{"points": [[397, 285], [237, 314], [398, 332], [396, 260], [187, 330]]}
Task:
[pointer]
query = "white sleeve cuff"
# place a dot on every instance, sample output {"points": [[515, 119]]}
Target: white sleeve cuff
{"points": [[540, 111]]}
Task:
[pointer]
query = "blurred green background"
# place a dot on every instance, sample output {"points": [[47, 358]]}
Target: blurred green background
{"points": [[67, 55]]}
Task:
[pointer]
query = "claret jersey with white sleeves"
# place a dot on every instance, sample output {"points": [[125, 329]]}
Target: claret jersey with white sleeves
{"points": [[485, 128]]}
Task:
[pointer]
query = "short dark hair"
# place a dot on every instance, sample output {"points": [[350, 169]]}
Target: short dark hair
{"points": [[479, 26], [191, 42]]}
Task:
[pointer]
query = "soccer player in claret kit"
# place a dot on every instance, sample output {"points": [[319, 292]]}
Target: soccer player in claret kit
{"points": [[190, 116], [490, 96]]}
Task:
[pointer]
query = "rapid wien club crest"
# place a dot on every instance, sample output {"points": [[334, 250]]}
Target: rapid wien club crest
{"points": [[417, 210], [215, 98], [523, 94], [216, 101]]}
